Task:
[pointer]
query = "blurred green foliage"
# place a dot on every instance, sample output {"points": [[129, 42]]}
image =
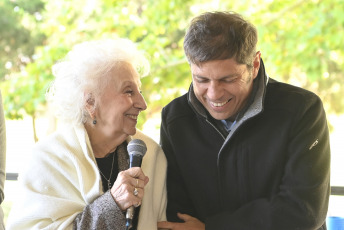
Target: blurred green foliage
{"points": [[300, 41]]}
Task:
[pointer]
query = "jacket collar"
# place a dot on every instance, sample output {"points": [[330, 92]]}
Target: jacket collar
{"points": [[253, 107]]}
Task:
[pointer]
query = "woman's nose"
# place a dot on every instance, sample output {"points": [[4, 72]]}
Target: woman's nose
{"points": [[141, 103]]}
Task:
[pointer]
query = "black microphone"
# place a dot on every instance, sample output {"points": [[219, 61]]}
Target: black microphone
{"points": [[136, 149]]}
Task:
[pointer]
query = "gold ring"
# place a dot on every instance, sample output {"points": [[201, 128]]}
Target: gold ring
{"points": [[136, 192], [137, 182]]}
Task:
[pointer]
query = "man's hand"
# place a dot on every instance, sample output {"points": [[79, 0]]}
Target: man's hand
{"points": [[191, 223]]}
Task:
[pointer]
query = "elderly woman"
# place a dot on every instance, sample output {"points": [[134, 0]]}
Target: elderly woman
{"points": [[78, 177]]}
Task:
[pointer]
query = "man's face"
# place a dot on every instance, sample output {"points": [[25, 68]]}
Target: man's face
{"points": [[223, 86]]}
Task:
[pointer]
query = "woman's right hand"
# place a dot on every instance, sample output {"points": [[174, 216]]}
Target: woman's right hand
{"points": [[123, 189]]}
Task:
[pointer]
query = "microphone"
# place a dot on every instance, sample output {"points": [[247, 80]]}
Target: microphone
{"points": [[136, 149]]}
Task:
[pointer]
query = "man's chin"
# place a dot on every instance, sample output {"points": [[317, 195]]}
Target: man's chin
{"points": [[219, 117]]}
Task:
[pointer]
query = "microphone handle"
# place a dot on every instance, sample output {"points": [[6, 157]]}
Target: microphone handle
{"points": [[135, 161], [129, 216]]}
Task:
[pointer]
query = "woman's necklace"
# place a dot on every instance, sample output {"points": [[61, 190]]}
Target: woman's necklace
{"points": [[109, 180]]}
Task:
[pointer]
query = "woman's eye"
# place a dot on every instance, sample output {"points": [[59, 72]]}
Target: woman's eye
{"points": [[129, 92]]}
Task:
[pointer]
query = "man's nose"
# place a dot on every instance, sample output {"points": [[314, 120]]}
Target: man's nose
{"points": [[214, 91]]}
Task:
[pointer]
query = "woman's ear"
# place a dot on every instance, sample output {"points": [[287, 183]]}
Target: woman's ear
{"points": [[90, 105]]}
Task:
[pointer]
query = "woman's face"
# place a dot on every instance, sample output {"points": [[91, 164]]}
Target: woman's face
{"points": [[120, 104]]}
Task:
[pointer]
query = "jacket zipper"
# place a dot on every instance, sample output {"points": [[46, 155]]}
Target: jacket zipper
{"points": [[218, 168], [215, 129]]}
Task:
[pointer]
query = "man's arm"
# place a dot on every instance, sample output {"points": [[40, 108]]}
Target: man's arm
{"points": [[178, 199]]}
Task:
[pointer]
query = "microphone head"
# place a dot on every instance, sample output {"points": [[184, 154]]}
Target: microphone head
{"points": [[137, 147]]}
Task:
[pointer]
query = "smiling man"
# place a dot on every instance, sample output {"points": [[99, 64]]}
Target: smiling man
{"points": [[244, 151]]}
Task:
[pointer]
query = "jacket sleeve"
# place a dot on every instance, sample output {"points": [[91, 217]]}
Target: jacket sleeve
{"points": [[178, 198], [303, 196]]}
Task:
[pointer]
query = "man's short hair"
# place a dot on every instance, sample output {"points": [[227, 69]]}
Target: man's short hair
{"points": [[219, 36]]}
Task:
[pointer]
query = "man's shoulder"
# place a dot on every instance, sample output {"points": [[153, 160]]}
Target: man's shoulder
{"points": [[286, 87], [178, 107], [287, 94]]}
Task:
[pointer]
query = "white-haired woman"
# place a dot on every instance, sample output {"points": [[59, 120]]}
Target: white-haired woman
{"points": [[78, 177]]}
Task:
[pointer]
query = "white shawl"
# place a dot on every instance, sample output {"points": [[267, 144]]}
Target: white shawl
{"points": [[62, 178]]}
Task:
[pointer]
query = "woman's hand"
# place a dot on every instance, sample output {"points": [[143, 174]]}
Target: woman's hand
{"points": [[123, 189]]}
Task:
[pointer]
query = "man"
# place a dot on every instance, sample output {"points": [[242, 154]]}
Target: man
{"points": [[244, 151]]}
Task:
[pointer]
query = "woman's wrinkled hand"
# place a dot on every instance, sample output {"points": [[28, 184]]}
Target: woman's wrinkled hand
{"points": [[128, 189]]}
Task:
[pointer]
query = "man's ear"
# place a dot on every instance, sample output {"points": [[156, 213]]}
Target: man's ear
{"points": [[90, 104], [256, 64]]}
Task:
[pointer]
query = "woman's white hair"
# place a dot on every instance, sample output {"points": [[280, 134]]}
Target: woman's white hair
{"points": [[84, 74]]}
